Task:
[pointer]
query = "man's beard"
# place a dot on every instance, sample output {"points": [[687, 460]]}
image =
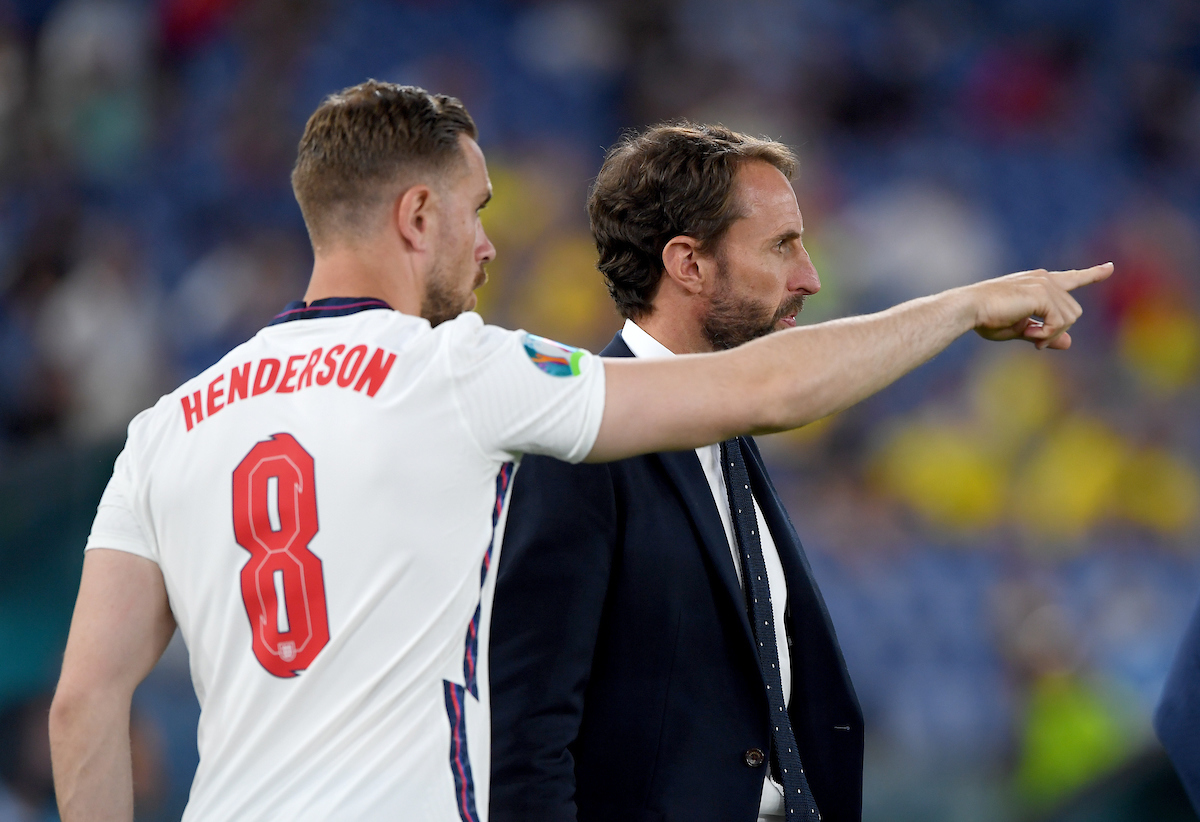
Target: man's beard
{"points": [[442, 301], [731, 322]]}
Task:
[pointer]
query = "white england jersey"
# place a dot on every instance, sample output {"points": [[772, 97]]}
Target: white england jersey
{"points": [[325, 503]]}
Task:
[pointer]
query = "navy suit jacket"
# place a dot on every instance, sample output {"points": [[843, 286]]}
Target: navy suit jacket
{"points": [[624, 681]]}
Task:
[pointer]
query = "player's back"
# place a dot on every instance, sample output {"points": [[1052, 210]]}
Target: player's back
{"points": [[322, 504]]}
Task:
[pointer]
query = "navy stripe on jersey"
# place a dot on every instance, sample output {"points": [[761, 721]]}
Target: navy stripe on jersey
{"points": [[460, 764], [471, 657], [328, 307]]}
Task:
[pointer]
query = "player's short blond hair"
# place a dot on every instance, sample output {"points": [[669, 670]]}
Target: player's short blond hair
{"points": [[365, 145]]}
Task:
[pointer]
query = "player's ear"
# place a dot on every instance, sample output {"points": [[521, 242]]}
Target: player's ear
{"points": [[684, 263], [413, 214]]}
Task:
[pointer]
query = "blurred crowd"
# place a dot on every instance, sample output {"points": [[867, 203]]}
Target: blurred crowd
{"points": [[1006, 539]]}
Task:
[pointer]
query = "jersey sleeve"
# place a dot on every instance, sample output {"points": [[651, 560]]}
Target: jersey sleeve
{"points": [[117, 524], [523, 394]]}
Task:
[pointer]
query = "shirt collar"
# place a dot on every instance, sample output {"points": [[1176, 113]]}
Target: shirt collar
{"points": [[642, 344], [328, 307]]}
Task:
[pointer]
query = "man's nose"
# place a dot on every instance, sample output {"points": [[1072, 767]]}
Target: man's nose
{"points": [[485, 251], [805, 278]]}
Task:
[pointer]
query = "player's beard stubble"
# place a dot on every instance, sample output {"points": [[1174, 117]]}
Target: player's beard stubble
{"points": [[732, 320], [445, 297]]}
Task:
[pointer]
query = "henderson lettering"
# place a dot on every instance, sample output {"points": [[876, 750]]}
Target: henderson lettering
{"points": [[306, 376], [331, 362], [370, 372], [375, 372], [265, 376], [191, 410], [239, 383], [289, 371], [214, 394], [354, 360]]}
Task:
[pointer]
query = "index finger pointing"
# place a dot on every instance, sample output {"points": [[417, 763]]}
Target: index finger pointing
{"points": [[1070, 280]]}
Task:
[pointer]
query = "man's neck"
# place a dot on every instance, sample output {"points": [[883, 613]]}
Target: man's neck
{"points": [[358, 272], [677, 330]]}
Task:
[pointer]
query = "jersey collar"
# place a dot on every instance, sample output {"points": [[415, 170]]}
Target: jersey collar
{"points": [[328, 307]]}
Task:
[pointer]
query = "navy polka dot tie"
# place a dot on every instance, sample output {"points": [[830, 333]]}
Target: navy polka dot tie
{"points": [[785, 755]]}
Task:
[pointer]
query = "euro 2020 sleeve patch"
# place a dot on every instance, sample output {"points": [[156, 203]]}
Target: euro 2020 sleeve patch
{"points": [[554, 358]]}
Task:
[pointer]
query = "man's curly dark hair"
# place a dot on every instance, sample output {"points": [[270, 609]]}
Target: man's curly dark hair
{"points": [[671, 179]]}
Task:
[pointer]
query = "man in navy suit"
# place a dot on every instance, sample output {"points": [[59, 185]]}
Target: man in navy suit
{"points": [[628, 683]]}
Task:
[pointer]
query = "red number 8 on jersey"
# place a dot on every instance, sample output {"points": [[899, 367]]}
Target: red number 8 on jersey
{"points": [[274, 518]]}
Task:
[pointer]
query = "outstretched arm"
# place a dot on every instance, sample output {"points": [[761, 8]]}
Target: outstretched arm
{"points": [[794, 377], [121, 626]]}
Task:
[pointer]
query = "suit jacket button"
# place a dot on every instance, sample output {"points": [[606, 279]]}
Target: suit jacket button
{"points": [[755, 758]]}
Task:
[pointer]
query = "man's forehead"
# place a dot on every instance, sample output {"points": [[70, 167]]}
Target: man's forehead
{"points": [[476, 164], [473, 154], [766, 195]]}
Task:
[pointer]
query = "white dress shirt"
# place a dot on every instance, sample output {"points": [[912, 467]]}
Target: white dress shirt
{"points": [[646, 347]]}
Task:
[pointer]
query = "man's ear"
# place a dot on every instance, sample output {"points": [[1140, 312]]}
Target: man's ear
{"points": [[414, 215], [684, 263]]}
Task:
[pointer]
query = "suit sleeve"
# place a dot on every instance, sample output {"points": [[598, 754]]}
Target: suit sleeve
{"points": [[551, 586], [1177, 720]]}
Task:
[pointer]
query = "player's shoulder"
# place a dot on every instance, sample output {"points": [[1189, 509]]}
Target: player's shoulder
{"points": [[475, 342], [467, 338], [153, 423], [470, 327]]}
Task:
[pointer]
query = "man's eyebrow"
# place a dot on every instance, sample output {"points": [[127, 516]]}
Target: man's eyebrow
{"points": [[790, 234]]}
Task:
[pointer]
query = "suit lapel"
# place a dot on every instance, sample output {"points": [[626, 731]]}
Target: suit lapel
{"points": [[685, 471]]}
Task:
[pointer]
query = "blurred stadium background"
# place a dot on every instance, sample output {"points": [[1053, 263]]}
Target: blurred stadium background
{"points": [[1007, 541]]}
